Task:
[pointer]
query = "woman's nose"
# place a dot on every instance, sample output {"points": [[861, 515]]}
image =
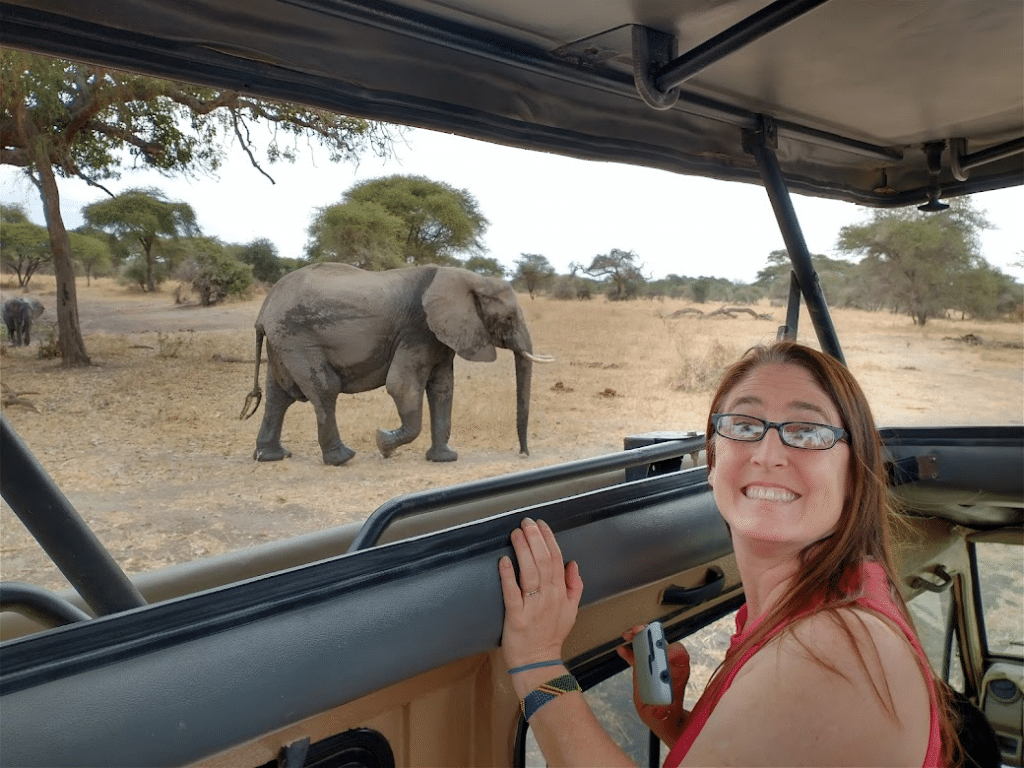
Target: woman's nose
{"points": [[770, 449]]}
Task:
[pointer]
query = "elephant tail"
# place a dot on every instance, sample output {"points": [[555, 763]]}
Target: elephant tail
{"points": [[253, 399]]}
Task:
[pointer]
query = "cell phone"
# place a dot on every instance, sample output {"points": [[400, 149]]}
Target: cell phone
{"points": [[653, 679]]}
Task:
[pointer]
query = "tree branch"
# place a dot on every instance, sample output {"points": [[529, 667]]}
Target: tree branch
{"points": [[245, 147]]}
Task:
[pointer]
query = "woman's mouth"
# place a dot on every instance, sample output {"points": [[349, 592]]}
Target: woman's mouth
{"points": [[766, 493]]}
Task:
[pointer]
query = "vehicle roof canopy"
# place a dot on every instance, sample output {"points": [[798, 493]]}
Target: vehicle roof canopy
{"points": [[877, 103]]}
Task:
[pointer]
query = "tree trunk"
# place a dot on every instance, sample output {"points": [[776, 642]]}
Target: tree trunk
{"points": [[72, 348]]}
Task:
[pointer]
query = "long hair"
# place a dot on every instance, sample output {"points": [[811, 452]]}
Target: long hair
{"points": [[864, 530]]}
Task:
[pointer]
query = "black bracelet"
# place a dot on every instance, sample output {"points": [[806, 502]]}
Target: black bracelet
{"points": [[552, 689]]}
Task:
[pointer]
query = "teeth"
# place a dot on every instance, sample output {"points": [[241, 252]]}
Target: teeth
{"points": [[762, 493]]}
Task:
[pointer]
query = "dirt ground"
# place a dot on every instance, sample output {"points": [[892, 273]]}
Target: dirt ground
{"points": [[148, 446]]}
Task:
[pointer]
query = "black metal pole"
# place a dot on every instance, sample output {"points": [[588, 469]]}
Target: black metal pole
{"points": [[758, 143], [61, 532], [751, 29]]}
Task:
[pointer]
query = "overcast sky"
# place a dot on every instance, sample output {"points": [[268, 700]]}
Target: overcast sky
{"points": [[567, 210]]}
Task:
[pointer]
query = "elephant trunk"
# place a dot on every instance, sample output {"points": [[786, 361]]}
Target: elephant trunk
{"points": [[524, 377]]}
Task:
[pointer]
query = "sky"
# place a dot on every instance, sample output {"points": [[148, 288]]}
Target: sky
{"points": [[565, 209]]}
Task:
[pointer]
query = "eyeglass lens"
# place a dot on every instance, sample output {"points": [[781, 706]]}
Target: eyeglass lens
{"points": [[798, 434]]}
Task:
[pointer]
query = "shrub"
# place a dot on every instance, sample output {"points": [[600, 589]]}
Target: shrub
{"points": [[215, 276], [702, 372]]}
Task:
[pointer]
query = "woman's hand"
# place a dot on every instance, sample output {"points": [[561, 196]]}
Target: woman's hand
{"points": [[667, 722], [540, 608]]}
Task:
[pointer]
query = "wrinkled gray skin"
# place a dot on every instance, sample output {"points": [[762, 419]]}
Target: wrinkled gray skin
{"points": [[332, 328], [18, 315]]}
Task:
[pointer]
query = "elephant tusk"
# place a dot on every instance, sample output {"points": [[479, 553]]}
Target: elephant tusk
{"points": [[538, 358]]}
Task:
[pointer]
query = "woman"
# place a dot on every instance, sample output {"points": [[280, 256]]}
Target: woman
{"points": [[825, 668]]}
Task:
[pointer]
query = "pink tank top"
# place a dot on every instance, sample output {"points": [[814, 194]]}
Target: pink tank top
{"points": [[876, 597]]}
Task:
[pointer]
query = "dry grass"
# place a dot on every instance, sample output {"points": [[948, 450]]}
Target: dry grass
{"points": [[148, 445]]}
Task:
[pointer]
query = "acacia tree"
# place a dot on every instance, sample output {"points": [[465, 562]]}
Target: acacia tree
{"points": [[144, 216], [23, 245], [396, 221], [91, 253], [534, 270], [919, 259], [59, 118], [621, 269]]}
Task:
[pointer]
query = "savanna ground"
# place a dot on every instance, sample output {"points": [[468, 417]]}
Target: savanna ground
{"points": [[148, 446]]}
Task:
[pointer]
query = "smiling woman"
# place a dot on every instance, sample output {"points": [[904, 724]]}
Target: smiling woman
{"points": [[823, 631]]}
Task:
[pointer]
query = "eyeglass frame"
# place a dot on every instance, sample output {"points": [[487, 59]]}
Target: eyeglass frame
{"points": [[840, 433]]}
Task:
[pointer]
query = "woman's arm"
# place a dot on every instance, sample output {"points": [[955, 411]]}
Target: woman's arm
{"points": [[540, 610]]}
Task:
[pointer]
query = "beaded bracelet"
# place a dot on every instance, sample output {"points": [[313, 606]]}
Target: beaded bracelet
{"points": [[552, 689]]}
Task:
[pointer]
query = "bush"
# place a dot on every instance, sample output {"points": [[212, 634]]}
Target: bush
{"points": [[701, 373], [215, 276]]}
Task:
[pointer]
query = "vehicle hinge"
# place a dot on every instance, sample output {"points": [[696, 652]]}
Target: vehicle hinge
{"points": [[766, 134]]}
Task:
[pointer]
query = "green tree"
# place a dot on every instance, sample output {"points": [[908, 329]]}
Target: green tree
{"points": [[144, 216], [485, 265], [59, 118], [621, 270], [262, 256], [363, 234], [398, 220], [987, 293], [700, 288], [213, 270], [534, 271], [91, 253], [918, 259], [24, 246]]}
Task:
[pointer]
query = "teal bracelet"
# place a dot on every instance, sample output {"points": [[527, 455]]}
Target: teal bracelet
{"points": [[552, 689]]}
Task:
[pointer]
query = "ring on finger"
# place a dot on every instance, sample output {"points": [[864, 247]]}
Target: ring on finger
{"points": [[531, 594]]}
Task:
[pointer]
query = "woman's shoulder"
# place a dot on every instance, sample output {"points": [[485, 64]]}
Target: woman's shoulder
{"points": [[837, 687]]}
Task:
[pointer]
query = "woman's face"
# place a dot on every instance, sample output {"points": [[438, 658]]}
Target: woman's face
{"points": [[768, 491]]}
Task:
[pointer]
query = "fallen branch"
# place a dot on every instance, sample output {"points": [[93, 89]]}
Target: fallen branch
{"points": [[16, 398]]}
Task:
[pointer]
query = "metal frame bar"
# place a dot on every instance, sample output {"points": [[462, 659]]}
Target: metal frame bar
{"points": [[60, 530], [738, 36], [418, 503], [761, 144]]}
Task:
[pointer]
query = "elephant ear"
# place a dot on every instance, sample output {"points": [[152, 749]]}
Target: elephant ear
{"points": [[453, 315]]}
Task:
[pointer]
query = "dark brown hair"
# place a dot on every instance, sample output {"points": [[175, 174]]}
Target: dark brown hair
{"points": [[864, 531]]}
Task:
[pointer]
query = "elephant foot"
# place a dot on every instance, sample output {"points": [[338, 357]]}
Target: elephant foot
{"points": [[387, 441], [275, 453], [442, 454], [335, 457]]}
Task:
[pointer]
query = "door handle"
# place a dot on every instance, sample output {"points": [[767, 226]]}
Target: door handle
{"points": [[714, 581]]}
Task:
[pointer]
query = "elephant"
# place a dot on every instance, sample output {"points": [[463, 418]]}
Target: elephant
{"points": [[18, 315], [333, 328]]}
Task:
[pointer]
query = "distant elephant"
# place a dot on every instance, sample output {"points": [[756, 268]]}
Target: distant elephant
{"points": [[18, 315], [333, 328]]}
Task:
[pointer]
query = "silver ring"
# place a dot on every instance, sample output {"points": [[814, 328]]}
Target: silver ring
{"points": [[531, 594]]}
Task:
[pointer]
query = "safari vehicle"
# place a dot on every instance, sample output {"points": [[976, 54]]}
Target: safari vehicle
{"points": [[377, 644]]}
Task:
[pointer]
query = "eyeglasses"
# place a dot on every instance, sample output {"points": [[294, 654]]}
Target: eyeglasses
{"points": [[798, 434]]}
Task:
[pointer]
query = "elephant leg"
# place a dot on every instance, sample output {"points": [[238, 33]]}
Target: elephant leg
{"points": [[268, 441], [405, 385], [440, 392], [323, 394], [335, 452]]}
